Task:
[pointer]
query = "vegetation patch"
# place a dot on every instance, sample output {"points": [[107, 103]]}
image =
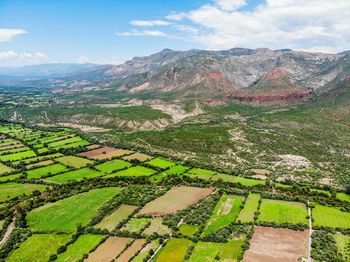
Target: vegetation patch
{"points": [[250, 207], [224, 213], [11, 190], [138, 156], [160, 163], [279, 211], [343, 197], [5, 169], [75, 252], [147, 251], [131, 250], [17, 156], [343, 245], [174, 250], [333, 217], [205, 252], [46, 171], [231, 250], [137, 225], [158, 227], [177, 170], [38, 247], [75, 175], [112, 220], [112, 166], [74, 161], [175, 199], [133, 171], [188, 229], [66, 214], [110, 155]]}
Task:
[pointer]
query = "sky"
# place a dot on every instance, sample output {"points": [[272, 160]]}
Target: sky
{"points": [[113, 31]]}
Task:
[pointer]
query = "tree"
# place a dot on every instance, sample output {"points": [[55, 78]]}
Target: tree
{"points": [[347, 189]]}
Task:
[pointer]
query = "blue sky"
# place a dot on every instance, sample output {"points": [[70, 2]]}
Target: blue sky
{"points": [[112, 31]]}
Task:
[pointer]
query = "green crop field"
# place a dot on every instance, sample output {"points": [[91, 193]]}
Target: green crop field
{"points": [[35, 159], [248, 181], [46, 171], [157, 226], [38, 248], [75, 175], [176, 170], [330, 217], [136, 225], [17, 156], [201, 173], [5, 169], [11, 190], [112, 220], [66, 214], [279, 211], [224, 178], [65, 142], [343, 245], [10, 177], [230, 251], [188, 230], [133, 171], [250, 207], [224, 213], [343, 197], [74, 161], [153, 245], [174, 250], [113, 166], [205, 252], [81, 246], [160, 163], [78, 144]]}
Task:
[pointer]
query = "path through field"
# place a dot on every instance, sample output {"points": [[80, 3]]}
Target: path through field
{"points": [[8, 232], [309, 259]]}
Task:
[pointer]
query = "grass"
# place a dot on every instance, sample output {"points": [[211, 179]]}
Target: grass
{"points": [[74, 161], [188, 230], [46, 171], [224, 213], [5, 169], [36, 159], [201, 171], [17, 156], [112, 220], [81, 143], [137, 225], [343, 197], [158, 227], [250, 207], [133, 171], [248, 181], [75, 175], [230, 250], [174, 250], [64, 142], [176, 170], [205, 252], [160, 163], [66, 214], [112, 166], [330, 217], [343, 245], [224, 178], [279, 211], [81, 246], [325, 192], [145, 251], [11, 190], [38, 248]]}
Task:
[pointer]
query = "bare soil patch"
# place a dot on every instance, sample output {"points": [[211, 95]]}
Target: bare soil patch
{"points": [[109, 249], [175, 199], [130, 251], [110, 155], [99, 151], [138, 156], [85, 128], [277, 244]]}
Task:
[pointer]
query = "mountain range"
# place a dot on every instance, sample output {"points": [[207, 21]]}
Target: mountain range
{"points": [[240, 74]]}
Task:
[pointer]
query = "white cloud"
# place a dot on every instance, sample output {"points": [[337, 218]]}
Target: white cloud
{"points": [[142, 33], [149, 23], [297, 24], [83, 59], [12, 58], [186, 28], [6, 34]]}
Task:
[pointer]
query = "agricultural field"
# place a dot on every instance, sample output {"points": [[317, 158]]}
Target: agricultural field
{"points": [[176, 170], [75, 175], [188, 230], [176, 199], [38, 247], [137, 225], [113, 166], [343, 244], [276, 244], [250, 207], [278, 211], [46, 171], [81, 246], [134, 171], [153, 245], [66, 214], [109, 249], [332, 217], [5, 169], [160, 163], [205, 252], [343, 197], [11, 190], [174, 250], [112, 220], [9, 178], [157, 226], [131, 250], [225, 213], [138, 156], [74, 161]]}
